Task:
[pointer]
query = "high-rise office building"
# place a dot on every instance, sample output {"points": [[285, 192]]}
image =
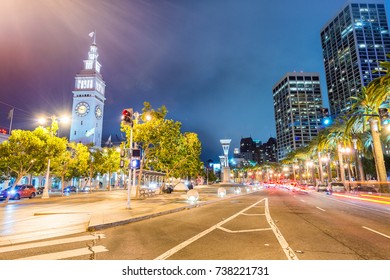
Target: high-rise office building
{"points": [[353, 43], [247, 148], [297, 103]]}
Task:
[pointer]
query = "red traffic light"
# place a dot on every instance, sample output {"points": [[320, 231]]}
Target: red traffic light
{"points": [[127, 116]]}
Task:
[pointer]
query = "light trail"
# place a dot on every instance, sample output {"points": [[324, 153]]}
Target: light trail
{"points": [[376, 196], [362, 198]]}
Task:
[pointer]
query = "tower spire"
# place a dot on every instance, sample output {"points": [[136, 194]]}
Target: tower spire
{"points": [[93, 35]]}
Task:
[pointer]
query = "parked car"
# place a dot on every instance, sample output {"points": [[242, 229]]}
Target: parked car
{"points": [[70, 189], [40, 190], [337, 187], [321, 188], [364, 189], [270, 184], [310, 187], [87, 189], [18, 192], [302, 187], [168, 188]]}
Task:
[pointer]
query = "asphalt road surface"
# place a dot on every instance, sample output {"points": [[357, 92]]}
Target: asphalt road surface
{"points": [[272, 224]]}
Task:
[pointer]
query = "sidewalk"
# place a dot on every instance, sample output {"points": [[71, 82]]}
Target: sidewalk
{"points": [[161, 204], [43, 221]]}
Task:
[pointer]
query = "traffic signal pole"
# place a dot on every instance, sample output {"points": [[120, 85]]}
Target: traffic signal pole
{"points": [[127, 117], [128, 206]]}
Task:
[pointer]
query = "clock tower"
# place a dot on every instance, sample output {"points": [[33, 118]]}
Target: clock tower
{"points": [[88, 101]]}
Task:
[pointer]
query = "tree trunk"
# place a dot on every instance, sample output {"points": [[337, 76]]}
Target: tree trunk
{"points": [[321, 173], [378, 154], [109, 181], [341, 165], [360, 167], [62, 184], [328, 163]]}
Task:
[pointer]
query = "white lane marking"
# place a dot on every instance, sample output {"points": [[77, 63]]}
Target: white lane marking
{"points": [[376, 232], [282, 241], [50, 243], [243, 230], [184, 244], [302, 200], [67, 254], [245, 214], [321, 209]]}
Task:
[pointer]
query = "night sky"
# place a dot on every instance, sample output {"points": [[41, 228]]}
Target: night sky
{"points": [[212, 63]]}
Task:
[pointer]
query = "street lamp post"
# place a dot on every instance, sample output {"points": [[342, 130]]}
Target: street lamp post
{"points": [[42, 121]]}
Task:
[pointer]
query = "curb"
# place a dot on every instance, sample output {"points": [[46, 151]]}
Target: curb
{"points": [[161, 213]]}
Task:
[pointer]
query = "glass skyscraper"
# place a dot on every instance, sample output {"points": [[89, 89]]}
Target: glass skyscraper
{"points": [[297, 103], [353, 43]]}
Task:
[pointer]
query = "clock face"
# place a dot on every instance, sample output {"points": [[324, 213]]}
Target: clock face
{"points": [[98, 112], [82, 109]]}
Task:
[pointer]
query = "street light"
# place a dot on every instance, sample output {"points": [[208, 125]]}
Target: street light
{"points": [[54, 121]]}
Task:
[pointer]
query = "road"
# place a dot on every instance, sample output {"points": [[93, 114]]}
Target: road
{"points": [[272, 224]]}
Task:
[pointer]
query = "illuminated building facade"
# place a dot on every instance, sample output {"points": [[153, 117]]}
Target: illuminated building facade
{"points": [[353, 43], [297, 102], [88, 102]]}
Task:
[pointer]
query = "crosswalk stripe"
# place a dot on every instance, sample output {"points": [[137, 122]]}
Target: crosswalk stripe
{"points": [[50, 243], [67, 254], [39, 235]]}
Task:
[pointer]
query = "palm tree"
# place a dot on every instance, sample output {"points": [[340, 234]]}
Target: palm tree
{"points": [[366, 111], [337, 138], [302, 155], [323, 148]]}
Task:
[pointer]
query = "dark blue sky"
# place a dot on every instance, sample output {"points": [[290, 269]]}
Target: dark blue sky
{"points": [[212, 63]]}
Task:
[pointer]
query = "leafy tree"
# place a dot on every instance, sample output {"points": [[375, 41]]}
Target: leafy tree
{"points": [[22, 153], [55, 147], [95, 163], [60, 158], [192, 165], [81, 155], [160, 139], [366, 107], [110, 164], [72, 162], [164, 147]]}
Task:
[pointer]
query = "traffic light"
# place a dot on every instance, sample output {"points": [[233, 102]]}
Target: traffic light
{"points": [[127, 116], [136, 153], [135, 163], [326, 119], [384, 116]]}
